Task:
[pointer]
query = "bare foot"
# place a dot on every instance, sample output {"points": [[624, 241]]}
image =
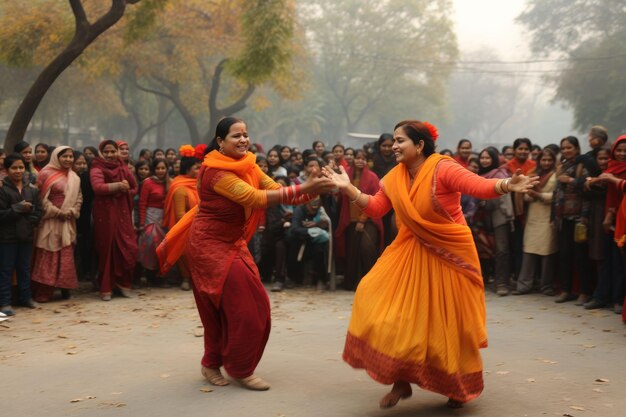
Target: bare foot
{"points": [[400, 390], [454, 404], [214, 376]]}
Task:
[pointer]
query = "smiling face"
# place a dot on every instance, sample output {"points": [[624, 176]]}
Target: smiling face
{"points": [[143, 172], [170, 156], [338, 153], [160, 170], [80, 165], [15, 173], [602, 158], [465, 150], [285, 153], [27, 153], [620, 152], [546, 162], [319, 148], [41, 154], [124, 152], [109, 152], [348, 156], [236, 142], [522, 152], [568, 150], [66, 159], [386, 148], [405, 151], [485, 159], [272, 158]]}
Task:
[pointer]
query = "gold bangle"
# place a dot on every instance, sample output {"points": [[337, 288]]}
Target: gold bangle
{"points": [[499, 187], [357, 196], [505, 186]]}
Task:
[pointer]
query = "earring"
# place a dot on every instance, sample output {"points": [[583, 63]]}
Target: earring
{"points": [[221, 150]]}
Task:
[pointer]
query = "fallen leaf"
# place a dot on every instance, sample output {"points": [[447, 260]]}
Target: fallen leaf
{"points": [[530, 380], [198, 332], [76, 400], [90, 397], [597, 390], [165, 375], [72, 352], [502, 372], [589, 346], [602, 380], [577, 407], [529, 318], [206, 390], [62, 336]]}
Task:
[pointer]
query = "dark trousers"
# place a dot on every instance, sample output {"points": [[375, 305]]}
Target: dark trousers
{"points": [[502, 255], [610, 287], [573, 254], [15, 256], [273, 259]]}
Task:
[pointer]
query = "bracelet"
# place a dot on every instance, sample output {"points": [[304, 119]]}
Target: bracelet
{"points": [[357, 196], [499, 187], [288, 194], [505, 185]]}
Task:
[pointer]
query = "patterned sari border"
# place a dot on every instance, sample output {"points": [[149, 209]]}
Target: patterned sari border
{"points": [[387, 370]]}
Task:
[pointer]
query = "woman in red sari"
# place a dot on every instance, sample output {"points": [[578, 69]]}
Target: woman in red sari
{"points": [[116, 242], [53, 265], [232, 302], [419, 315]]}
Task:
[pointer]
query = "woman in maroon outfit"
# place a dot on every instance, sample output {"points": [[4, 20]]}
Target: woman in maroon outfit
{"points": [[232, 302], [116, 242]]}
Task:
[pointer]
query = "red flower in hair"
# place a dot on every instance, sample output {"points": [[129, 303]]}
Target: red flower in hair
{"points": [[200, 151], [432, 130]]}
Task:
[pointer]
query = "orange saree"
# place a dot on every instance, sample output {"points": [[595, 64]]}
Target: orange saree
{"points": [[419, 314]]}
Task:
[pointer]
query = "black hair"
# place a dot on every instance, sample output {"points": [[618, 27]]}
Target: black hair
{"points": [[158, 150], [462, 141], [446, 152], [555, 148], [417, 132], [20, 146], [186, 162], [349, 149], [505, 147], [382, 138], [171, 149], [221, 131], [520, 141], [571, 139], [282, 177], [339, 145], [11, 158], [93, 150], [155, 162], [495, 160], [307, 152], [141, 163], [539, 171]]}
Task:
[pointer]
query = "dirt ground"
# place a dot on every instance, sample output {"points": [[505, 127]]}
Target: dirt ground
{"points": [[140, 357]]}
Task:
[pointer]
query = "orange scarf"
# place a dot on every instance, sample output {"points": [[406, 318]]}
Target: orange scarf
{"points": [[173, 246], [190, 186], [451, 241]]}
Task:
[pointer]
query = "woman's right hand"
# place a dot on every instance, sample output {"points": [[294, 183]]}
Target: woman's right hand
{"points": [[317, 185], [340, 179], [124, 186]]}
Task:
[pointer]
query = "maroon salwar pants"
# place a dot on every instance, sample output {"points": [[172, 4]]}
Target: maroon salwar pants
{"points": [[235, 334]]}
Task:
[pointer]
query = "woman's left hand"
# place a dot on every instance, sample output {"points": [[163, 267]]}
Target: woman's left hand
{"points": [[520, 183]]}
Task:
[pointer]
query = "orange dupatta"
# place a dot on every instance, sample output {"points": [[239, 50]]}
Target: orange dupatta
{"points": [[175, 240], [451, 241], [190, 186]]}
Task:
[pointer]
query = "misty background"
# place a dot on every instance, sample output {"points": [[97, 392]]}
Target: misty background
{"points": [[340, 71]]}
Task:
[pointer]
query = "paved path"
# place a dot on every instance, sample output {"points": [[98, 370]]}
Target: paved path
{"points": [[140, 357]]}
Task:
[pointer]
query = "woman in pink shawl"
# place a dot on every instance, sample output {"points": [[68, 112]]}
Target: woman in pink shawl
{"points": [[116, 242], [53, 265]]}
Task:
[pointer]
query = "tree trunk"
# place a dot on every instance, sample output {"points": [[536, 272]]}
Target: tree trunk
{"points": [[84, 35], [160, 131]]}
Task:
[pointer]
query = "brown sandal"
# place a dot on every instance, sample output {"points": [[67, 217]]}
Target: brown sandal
{"points": [[254, 383], [214, 376]]}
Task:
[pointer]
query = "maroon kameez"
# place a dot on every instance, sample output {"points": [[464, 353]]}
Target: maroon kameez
{"points": [[115, 238]]}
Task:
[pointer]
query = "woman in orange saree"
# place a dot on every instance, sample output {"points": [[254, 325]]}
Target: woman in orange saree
{"points": [[231, 300], [419, 314], [182, 196]]}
